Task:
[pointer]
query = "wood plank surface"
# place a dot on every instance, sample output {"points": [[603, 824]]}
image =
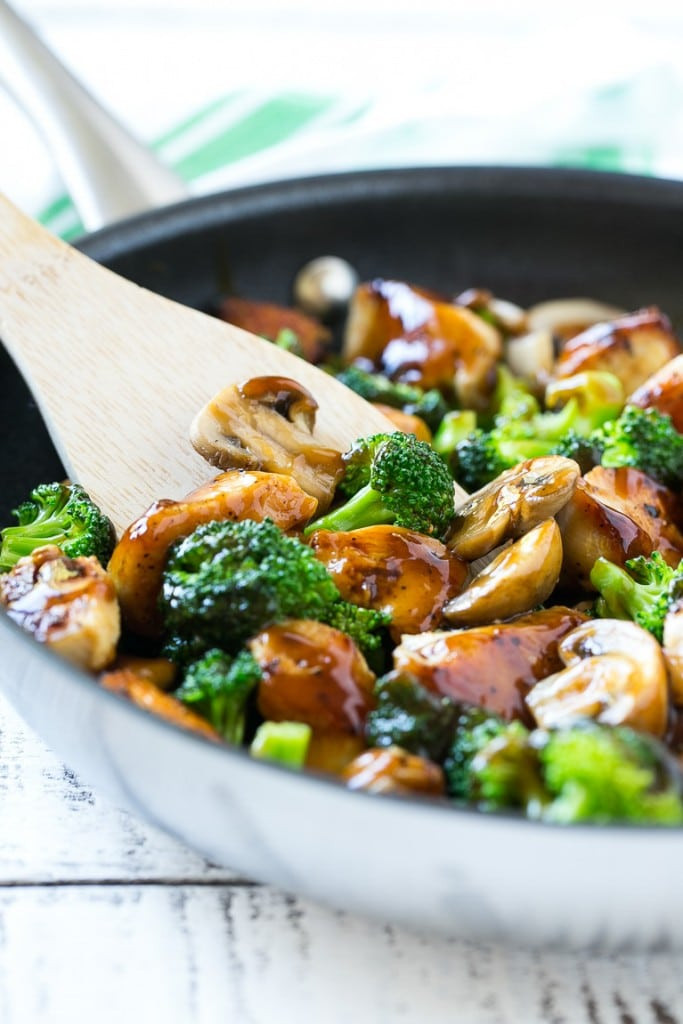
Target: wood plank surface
{"points": [[103, 918]]}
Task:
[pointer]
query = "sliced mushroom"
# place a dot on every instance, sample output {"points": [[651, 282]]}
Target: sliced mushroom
{"points": [[412, 335], [531, 355], [138, 560], [567, 317], [392, 569], [673, 650], [315, 674], [394, 770], [663, 391], [267, 423], [617, 514], [510, 318], [147, 695], [632, 347], [491, 666], [69, 604], [512, 504], [521, 577], [615, 673]]}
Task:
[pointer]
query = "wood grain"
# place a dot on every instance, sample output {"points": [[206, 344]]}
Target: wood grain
{"points": [[119, 373], [104, 918]]}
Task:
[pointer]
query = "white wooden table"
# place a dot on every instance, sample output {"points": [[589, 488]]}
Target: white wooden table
{"points": [[104, 919]]}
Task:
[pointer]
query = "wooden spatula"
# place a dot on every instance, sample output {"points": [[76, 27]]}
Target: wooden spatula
{"points": [[119, 373]]}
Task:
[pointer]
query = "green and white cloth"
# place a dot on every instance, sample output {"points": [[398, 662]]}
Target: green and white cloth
{"points": [[233, 94]]}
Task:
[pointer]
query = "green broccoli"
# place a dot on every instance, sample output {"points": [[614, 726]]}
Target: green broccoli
{"points": [[493, 763], [61, 514], [393, 478], [218, 687], [521, 431], [602, 774], [644, 593], [646, 439], [228, 580], [285, 742], [375, 387], [409, 716], [454, 428]]}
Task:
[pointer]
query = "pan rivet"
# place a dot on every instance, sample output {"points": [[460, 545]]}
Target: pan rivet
{"points": [[324, 286]]}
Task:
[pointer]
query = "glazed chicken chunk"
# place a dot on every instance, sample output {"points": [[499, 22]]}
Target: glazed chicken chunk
{"points": [[69, 604]]}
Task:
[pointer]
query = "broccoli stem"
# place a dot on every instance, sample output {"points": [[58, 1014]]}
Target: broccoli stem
{"points": [[623, 597], [285, 742], [365, 508]]}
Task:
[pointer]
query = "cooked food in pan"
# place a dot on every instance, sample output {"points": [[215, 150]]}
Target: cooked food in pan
{"points": [[348, 613]]}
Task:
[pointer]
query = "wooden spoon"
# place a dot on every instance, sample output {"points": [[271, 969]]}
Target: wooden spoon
{"points": [[119, 373]]}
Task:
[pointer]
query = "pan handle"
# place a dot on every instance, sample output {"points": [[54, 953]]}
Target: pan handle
{"points": [[108, 173]]}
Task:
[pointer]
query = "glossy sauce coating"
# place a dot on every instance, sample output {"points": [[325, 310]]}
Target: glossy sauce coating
{"points": [[492, 666], [315, 674], [617, 514], [392, 569], [143, 692], [138, 560]]}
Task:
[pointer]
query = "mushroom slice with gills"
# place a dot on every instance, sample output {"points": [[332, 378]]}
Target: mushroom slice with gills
{"points": [[565, 318], [617, 514], [663, 391], [143, 692], [519, 578], [412, 335], [510, 318], [615, 673], [632, 347], [673, 650], [392, 569], [394, 770], [267, 423], [512, 504], [68, 604], [138, 560], [491, 666], [312, 673]]}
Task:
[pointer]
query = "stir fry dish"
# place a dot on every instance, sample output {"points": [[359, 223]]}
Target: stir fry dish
{"points": [[348, 613]]}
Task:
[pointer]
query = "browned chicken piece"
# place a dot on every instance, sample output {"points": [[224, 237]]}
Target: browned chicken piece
{"points": [[315, 674], [69, 604], [406, 422], [268, 319], [394, 770], [160, 671], [392, 569], [632, 347], [663, 391], [617, 514], [491, 666], [411, 335], [331, 752], [142, 691], [138, 559]]}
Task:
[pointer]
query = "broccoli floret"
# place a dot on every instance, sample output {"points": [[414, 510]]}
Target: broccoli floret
{"points": [[644, 593], [61, 514], [228, 580], [493, 763], [375, 387], [218, 687], [521, 431], [363, 625], [602, 774], [646, 439], [393, 478], [409, 716], [289, 340], [285, 742]]}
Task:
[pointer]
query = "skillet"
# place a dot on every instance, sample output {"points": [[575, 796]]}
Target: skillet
{"points": [[527, 235]]}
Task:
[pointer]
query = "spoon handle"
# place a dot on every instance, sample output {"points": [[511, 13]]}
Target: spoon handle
{"points": [[107, 172]]}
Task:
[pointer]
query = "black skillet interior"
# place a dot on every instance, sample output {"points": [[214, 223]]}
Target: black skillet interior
{"points": [[526, 234]]}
